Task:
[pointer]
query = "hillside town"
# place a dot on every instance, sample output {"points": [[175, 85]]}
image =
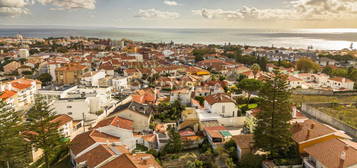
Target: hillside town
{"points": [[101, 103]]}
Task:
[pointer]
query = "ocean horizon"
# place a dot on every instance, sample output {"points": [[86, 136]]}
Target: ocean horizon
{"points": [[326, 39]]}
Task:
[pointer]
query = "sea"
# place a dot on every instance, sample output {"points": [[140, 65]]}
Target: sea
{"points": [[322, 39]]}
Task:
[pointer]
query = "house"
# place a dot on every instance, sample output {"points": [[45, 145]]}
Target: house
{"points": [[311, 132], [338, 83], [65, 124], [138, 113], [137, 160], [120, 83], [25, 92], [323, 61], [70, 74], [24, 68], [10, 97], [333, 153], [221, 104], [244, 144], [217, 135], [182, 95], [107, 141], [11, 67], [145, 96], [295, 82], [91, 78]]}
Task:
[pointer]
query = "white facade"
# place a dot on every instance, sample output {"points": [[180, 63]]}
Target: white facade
{"points": [[224, 109], [23, 53], [93, 78], [120, 83]]}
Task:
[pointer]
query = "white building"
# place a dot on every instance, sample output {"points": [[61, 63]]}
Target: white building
{"points": [[138, 57], [92, 78], [221, 104], [23, 53], [338, 83], [120, 83], [183, 95]]}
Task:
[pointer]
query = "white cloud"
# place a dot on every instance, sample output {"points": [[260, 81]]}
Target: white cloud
{"points": [[295, 10], [170, 3], [13, 7], [156, 14], [69, 4]]}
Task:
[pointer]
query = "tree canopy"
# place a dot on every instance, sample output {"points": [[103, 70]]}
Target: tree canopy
{"points": [[307, 65], [272, 132]]}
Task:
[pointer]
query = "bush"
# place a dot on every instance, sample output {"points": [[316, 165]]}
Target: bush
{"points": [[251, 161]]}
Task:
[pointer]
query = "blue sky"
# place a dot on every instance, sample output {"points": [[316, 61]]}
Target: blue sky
{"points": [[182, 13]]}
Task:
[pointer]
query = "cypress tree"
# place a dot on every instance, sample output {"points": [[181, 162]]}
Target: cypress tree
{"points": [[272, 133], [13, 151], [44, 133]]}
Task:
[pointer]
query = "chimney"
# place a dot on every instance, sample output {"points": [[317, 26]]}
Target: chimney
{"points": [[342, 158], [308, 134]]}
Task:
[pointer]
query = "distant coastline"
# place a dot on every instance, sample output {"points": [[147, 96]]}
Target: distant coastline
{"points": [[328, 39]]}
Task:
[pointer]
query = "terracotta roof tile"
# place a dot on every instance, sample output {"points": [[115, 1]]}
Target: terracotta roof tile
{"points": [[310, 129], [7, 94], [117, 122], [329, 153], [244, 141], [218, 98], [62, 119]]}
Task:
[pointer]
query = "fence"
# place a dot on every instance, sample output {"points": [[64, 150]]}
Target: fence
{"points": [[324, 92], [313, 112]]}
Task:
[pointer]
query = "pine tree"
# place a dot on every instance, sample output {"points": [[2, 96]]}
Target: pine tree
{"points": [[13, 151], [44, 134], [272, 132]]}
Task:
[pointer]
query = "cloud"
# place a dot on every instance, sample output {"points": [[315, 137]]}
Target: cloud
{"points": [[69, 4], [170, 3], [13, 7], [156, 14], [245, 13], [294, 10]]}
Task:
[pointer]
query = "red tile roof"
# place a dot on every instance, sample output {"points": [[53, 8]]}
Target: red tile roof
{"points": [[138, 160], [62, 119], [218, 98], [329, 153], [20, 86], [244, 141], [117, 122], [7, 94], [310, 129]]}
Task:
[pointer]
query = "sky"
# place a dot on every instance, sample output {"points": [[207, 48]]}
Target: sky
{"points": [[181, 13]]}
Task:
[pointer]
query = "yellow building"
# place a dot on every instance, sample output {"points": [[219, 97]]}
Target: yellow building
{"points": [[311, 132], [70, 74]]}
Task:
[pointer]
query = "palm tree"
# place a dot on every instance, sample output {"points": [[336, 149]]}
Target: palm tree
{"points": [[255, 69]]}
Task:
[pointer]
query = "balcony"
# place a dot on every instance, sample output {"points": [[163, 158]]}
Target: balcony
{"points": [[308, 163]]}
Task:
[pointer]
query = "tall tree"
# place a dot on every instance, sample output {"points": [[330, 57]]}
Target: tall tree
{"points": [[175, 144], [250, 86], [307, 65], [43, 133], [12, 145], [272, 132], [255, 69]]}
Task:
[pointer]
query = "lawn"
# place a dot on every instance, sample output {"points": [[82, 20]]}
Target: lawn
{"points": [[347, 114], [250, 106], [298, 99]]}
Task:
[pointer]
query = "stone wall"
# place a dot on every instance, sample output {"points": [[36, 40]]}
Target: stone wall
{"points": [[323, 117]]}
